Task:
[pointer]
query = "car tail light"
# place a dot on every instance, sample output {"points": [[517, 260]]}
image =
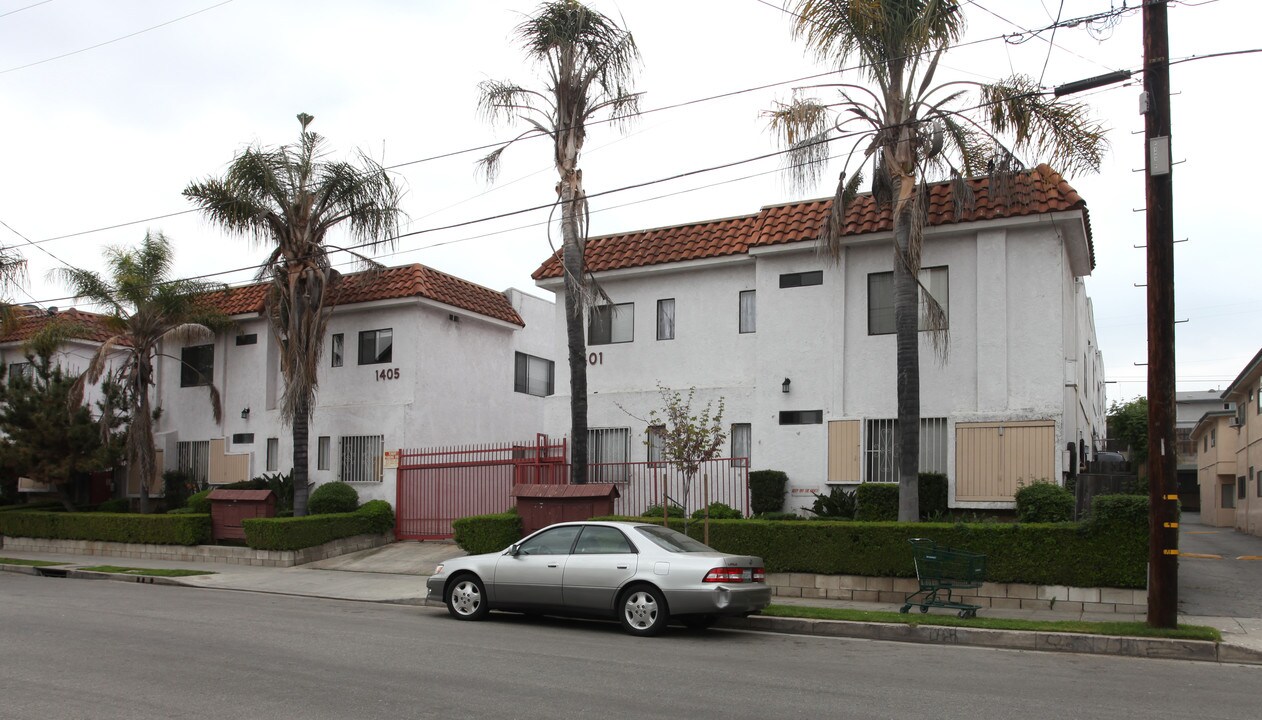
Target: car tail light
{"points": [[760, 575]]}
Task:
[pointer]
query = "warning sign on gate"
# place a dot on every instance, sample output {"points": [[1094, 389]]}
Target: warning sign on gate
{"points": [[392, 460]]}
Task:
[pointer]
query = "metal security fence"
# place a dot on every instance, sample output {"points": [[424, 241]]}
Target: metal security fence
{"points": [[642, 484], [436, 486], [881, 443]]}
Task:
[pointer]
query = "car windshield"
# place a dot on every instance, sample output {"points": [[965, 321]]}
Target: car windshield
{"points": [[671, 540]]}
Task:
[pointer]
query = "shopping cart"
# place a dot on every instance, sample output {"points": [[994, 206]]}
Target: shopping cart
{"points": [[943, 570]]}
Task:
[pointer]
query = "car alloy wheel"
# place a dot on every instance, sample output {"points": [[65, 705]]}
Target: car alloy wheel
{"points": [[466, 600], [643, 611]]}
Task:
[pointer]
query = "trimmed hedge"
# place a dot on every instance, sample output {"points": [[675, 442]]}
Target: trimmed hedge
{"points": [[766, 491], [490, 533], [1044, 502], [333, 497], [108, 527], [1111, 550], [876, 502], [198, 502], [296, 533]]}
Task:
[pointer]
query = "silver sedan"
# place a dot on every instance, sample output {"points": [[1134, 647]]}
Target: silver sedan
{"points": [[642, 574]]}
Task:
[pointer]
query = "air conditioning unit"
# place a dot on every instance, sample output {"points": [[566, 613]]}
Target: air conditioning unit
{"points": [[1236, 422]]}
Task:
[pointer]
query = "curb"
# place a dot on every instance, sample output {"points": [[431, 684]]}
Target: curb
{"points": [[1152, 648]]}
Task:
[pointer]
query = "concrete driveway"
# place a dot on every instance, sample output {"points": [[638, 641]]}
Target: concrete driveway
{"points": [[1220, 570], [407, 557]]}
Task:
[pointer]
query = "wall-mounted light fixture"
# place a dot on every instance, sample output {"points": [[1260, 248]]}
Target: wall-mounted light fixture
{"points": [[245, 414], [784, 386]]}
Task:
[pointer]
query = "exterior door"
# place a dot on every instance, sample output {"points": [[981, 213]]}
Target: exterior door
{"points": [[532, 577], [602, 561]]}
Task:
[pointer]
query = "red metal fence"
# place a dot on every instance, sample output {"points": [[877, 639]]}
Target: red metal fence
{"points": [[438, 485], [641, 484]]}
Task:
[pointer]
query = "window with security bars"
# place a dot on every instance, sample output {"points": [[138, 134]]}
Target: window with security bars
{"points": [[193, 460], [361, 458], [607, 453], [881, 443]]}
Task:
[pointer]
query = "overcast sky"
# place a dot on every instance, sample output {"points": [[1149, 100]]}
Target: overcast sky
{"points": [[111, 134]]}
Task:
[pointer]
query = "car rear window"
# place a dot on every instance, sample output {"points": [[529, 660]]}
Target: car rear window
{"points": [[671, 540]]}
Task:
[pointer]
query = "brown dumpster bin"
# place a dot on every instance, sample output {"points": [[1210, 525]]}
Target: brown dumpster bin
{"points": [[543, 505], [229, 507]]}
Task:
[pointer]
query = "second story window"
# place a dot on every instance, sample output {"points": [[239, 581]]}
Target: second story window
{"points": [[881, 298], [197, 363], [23, 370], [607, 324], [802, 279], [666, 319], [748, 312], [533, 375], [376, 346], [339, 349]]}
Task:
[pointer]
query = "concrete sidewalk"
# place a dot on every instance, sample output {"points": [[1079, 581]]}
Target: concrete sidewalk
{"points": [[396, 574]]}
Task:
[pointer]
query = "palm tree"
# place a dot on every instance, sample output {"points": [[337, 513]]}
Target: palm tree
{"points": [[290, 198], [144, 306], [588, 63], [907, 131]]}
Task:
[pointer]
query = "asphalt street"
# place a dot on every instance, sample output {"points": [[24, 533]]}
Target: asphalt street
{"points": [[1220, 573], [103, 650]]}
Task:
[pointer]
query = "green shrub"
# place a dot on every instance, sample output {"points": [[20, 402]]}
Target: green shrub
{"points": [[778, 516], [656, 511], [280, 483], [836, 505], [181, 511], [115, 505], [296, 533], [379, 513], [333, 497], [109, 527], [198, 502], [176, 487], [487, 533], [718, 511], [31, 507], [876, 502], [933, 495], [1044, 502], [1110, 551], [1127, 510], [766, 491]]}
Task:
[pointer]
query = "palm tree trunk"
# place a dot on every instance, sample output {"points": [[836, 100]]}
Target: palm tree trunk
{"points": [[572, 259], [907, 363], [301, 431]]}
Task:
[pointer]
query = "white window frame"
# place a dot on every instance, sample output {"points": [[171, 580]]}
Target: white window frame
{"points": [[611, 324], [747, 312], [742, 437], [383, 344], [666, 319], [937, 279], [273, 454], [323, 445], [533, 375], [610, 445]]}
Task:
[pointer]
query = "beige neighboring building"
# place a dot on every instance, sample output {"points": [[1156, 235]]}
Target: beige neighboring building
{"points": [[1215, 441], [1245, 434]]}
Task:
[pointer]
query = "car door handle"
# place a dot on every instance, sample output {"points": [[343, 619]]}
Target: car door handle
{"points": [[622, 567], [552, 564]]}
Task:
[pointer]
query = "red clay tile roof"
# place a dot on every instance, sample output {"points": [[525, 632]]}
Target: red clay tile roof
{"points": [[92, 325], [390, 283], [1041, 190]]}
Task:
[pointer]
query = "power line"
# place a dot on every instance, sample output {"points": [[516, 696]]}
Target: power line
{"points": [[111, 42], [28, 7]]}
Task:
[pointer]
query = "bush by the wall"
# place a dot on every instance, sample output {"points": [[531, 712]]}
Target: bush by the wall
{"points": [[114, 505], [31, 507], [778, 516], [1109, 551], [1044, 502], [655, 510], [379, 513], [876, 502], [280, 483], [177, 486], [718, 511], [333, 497], [933, 495], [198, 502], [838, 504], [766, 491], [108, 527], [487, 533]]}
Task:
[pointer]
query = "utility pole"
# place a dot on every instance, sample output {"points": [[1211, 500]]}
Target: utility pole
{"points": [[1163, 525]]}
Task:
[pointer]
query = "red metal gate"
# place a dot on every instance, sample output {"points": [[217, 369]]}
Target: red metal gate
{"points": [[438, 485]]}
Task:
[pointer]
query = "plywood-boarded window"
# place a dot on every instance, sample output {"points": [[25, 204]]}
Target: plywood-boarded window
{"points": [[992, 458], [843, 451]]}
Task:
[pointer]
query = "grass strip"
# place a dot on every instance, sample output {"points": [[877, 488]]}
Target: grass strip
{"points": [[146, 571], [29, 563], [1116, 628]]}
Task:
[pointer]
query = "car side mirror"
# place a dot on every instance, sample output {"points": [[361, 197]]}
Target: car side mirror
{"points": [[513, 550]]}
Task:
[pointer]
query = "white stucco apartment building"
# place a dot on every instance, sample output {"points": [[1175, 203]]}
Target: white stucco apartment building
{"points": [[801, 349], [413, 357]]}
